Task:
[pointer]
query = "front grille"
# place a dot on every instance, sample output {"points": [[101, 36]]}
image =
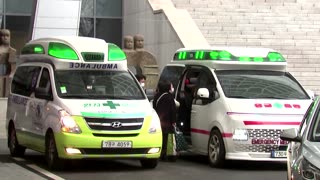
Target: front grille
{"points": [[265, 133], [261, 134], [106, 151], [104, 124]]}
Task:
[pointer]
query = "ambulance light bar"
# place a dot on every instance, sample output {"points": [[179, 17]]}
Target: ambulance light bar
{"points": [[222, 55], [63, 51]]}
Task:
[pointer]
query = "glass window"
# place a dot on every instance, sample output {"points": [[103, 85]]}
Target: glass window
{"points": [[19, 23], [109, 8], [86, 27], [97, 85], [25, 80], [306, 118], [172, 74], [19, 6], [45, 79], [110, 30], [1, 6], [87, 8], [260, 84]]}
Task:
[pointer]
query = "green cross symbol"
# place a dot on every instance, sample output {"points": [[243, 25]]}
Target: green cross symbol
{"points": [[111, 104]]}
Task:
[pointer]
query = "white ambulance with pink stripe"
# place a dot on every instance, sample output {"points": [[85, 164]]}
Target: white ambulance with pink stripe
{"points": [[234, 102]]}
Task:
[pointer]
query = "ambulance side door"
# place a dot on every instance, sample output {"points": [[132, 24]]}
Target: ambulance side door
{"points": [[203, 110], [39, 109]]}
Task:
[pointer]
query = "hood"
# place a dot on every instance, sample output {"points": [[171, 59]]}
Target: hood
{"points": [[312, 152], [108, 108]]}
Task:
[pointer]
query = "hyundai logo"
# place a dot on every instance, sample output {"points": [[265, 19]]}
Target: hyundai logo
{"points": [[116, 124]]}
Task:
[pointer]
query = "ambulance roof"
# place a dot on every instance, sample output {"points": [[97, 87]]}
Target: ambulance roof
{"points": [[232, 58], [74, 52]]}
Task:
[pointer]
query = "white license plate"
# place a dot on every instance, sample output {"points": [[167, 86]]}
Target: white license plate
{"points": [[116, 144], [279, 154]]}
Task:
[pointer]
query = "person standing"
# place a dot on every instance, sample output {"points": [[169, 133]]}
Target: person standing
{"points": [[165, 107]]}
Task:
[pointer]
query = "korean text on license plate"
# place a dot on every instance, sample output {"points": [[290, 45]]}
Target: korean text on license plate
{"points": [[116, 144]]}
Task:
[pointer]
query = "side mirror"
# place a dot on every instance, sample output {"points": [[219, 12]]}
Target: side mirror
{"points": [[290, 135], [203, 93], [43, 93], [150, 94]]}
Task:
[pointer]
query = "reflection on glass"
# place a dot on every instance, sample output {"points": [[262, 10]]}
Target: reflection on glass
{"points": [[19, 6], [109, 8], [86, 27], [87, 8]]}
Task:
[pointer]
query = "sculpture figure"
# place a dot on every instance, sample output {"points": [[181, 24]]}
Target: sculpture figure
{"points": [[7, 61], [141, 60]]}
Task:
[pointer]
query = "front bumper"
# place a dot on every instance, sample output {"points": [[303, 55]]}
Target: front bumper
{"points": [[90, 146]]}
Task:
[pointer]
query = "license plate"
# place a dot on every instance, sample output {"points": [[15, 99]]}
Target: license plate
{"points": [[116, 144], [279, 154]]}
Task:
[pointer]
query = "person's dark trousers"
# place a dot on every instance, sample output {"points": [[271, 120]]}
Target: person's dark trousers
{"points": [[164, 146]]}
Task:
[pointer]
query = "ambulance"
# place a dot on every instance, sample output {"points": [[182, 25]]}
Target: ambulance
{"points": [[235, 102], [74, 98]]}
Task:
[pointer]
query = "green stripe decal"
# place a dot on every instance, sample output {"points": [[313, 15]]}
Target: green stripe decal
{"points": [[110, 115]]}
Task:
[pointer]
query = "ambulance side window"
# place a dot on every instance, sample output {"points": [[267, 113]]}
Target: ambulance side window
{"points": [[25, 80], [206, 81], [45, 79]]}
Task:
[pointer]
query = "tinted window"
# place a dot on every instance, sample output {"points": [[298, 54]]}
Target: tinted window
{"points": [[260, 84], [97, 85], [172, 74], [25, 80]]}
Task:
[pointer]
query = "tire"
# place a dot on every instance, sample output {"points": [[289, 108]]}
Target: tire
{"points": [[51, 153], [16, 150], [216, 149], [149, 163]]}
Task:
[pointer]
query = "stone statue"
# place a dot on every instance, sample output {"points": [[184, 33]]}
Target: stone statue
{"points": [[7, 61], [143, 61], [128, 43], [138, 42]]}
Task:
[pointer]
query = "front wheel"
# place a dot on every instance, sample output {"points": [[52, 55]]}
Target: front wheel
{"points": [[216, 149], [16, 150], [52, 158], [149, 163]]}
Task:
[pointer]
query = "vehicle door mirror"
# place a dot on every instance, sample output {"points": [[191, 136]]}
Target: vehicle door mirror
{"points": [[203, 93], [290, 135], [43, 93]]}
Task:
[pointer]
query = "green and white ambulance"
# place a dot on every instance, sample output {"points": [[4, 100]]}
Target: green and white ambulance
{"points": [[74, 98]]}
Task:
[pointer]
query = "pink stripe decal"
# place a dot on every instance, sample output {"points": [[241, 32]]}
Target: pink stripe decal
{"points": [[200, 131], [205, 132], [248, 123], [226, 135]]}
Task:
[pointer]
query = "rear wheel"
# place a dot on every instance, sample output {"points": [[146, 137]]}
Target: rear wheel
{"points": [[149, 163], [16, 150], [52, 158], [216, 149]]}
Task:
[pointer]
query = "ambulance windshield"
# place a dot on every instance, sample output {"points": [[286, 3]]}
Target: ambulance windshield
{"points": [[92, 84], [250, 84]]}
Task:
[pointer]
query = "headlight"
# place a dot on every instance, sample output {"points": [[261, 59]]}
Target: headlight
{"points": [[308, 170], [155, 125], [68, 124], [240, 135]]}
